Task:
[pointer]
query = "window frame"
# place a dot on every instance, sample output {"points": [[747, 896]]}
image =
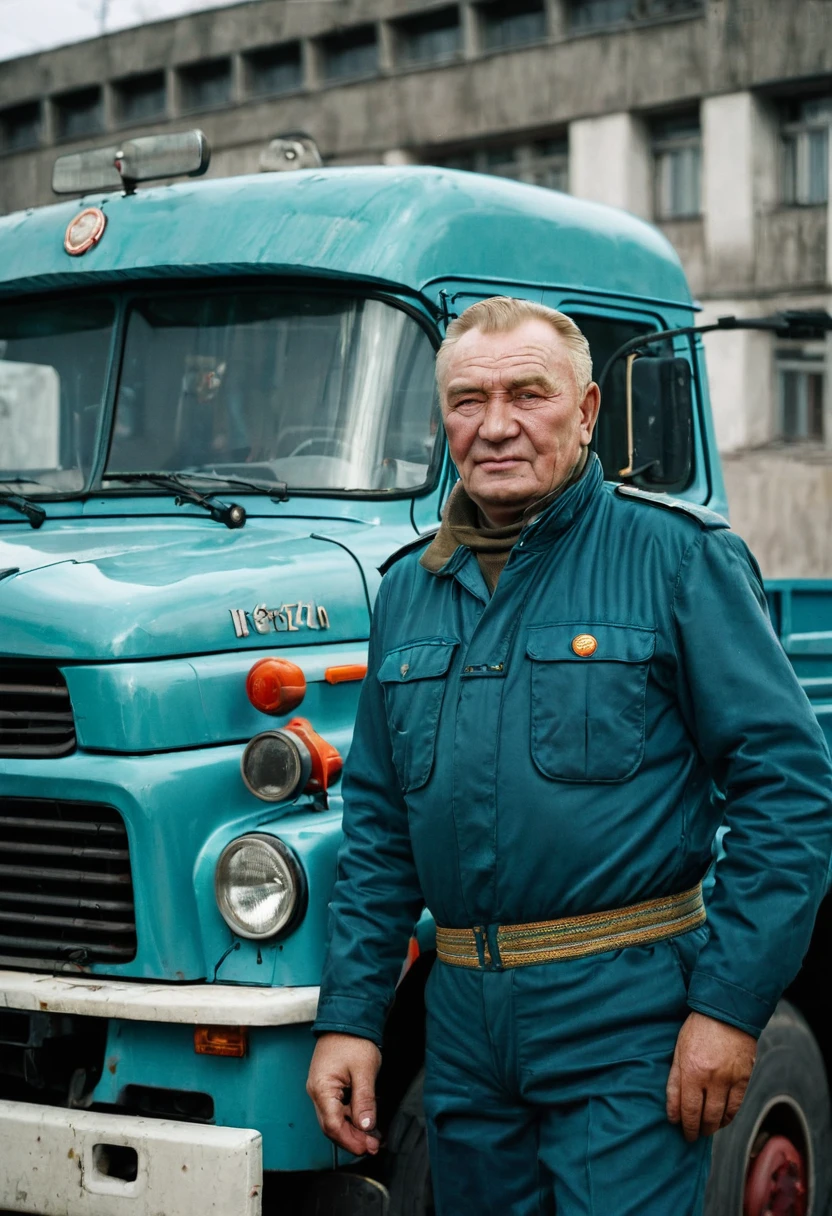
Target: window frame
{"points": [[126, 87], [255, 57], [431, 21], [655, 14], [804, 361], [534, 8], [525, 157], [341, 41], [188, 74], [667, 147], [797, 134], [7, 115], [62, 110]]}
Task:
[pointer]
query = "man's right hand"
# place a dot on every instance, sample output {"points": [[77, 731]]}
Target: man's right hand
{"points": [[344, 1065]]}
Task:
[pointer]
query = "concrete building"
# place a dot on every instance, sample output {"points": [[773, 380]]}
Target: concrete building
{"points": [[709, 118]]}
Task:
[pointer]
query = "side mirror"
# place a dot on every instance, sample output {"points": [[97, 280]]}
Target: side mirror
{"points": [[659, 420]]}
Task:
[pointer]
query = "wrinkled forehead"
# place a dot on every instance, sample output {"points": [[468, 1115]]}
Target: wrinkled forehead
{"points": [[531, 348]]}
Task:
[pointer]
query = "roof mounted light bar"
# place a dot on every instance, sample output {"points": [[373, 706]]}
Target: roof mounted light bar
{"points": [[122, 166]]}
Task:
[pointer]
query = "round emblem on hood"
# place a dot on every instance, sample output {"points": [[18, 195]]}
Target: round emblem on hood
{"points": [[85, 230]]}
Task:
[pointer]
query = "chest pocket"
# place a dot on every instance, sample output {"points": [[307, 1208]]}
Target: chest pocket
{"points": [[588, 689], [413, 679]]}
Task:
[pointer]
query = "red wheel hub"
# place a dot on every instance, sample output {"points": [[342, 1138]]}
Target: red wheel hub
{"points": [[776, 1181]]}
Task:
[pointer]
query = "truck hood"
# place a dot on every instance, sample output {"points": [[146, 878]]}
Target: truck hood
{"points": [[155, 587]]}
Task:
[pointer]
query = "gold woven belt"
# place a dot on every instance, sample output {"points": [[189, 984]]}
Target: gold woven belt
{"points": [[546, 941]]}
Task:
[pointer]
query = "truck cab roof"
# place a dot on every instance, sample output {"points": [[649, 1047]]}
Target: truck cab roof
{"points": [[407, 227]]}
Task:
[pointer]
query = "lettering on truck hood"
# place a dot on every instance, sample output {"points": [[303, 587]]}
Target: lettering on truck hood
{"points": [[137, 589]]}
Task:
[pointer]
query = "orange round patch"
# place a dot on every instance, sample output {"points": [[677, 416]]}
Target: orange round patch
{"points": [[584, 645]]}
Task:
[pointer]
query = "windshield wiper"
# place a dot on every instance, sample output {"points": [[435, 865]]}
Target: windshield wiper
{"points": [[35, 514], [25, 481], [229, 513], [278, 491]]}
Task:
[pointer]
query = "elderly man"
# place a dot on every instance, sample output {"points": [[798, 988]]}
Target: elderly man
{"points": [[569, 690]]}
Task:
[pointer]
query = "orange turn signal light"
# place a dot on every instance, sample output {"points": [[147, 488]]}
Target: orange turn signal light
{"points": [[221, 1041], [349, 671], [326, 759], [275, 686]]}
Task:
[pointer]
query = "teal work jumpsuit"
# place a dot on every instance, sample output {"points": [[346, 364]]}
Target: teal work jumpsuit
{"points": [[499, 778]]}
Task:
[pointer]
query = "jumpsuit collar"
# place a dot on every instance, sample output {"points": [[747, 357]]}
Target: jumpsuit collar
{"points": [[544, 529]]}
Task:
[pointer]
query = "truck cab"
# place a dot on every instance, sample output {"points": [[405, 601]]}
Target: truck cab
{"points": [[217, 420]]}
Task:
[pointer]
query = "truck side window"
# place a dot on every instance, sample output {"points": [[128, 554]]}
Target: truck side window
{"points": [[605, 335]]}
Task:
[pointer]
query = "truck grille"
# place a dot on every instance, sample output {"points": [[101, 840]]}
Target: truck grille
{"points": [[36, 717], [65, 888]]}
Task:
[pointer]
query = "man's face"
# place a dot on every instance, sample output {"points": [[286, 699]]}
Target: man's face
{"points": [[515, 420]]}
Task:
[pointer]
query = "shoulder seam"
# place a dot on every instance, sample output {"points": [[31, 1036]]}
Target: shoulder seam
{"points": [[412, 545]]}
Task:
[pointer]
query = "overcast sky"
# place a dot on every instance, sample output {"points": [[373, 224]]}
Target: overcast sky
{"points": [[34, 25]]}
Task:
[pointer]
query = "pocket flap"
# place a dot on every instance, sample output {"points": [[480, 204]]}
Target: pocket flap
{"points": [[574, 642], [422, 660]]}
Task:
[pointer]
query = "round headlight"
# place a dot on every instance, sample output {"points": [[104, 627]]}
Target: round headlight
{"points": [[259, 886], [276, 765]]}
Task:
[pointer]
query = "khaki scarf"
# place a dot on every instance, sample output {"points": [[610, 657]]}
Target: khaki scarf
{"points": [[463, 524]]}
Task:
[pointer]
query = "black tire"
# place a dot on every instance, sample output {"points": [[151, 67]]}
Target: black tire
{"points": [[408, 1179], [788, 1095]]}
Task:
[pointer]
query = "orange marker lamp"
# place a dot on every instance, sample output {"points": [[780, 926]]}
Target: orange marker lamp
{"points": [[347, 671], [221, 1041], [275, 686]]}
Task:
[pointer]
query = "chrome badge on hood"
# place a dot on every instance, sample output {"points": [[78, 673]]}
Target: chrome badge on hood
{"points": [[288, 618]]}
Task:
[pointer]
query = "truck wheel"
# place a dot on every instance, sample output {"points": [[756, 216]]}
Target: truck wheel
{"points": [[775, 1159], [408, 1179]]}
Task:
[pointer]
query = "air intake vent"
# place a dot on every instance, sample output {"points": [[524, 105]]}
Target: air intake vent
{"points": [[35, 712], [65, 888]]}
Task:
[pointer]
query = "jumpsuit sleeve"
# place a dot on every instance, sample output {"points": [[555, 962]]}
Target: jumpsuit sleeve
{"points": [[377, 898], [756, 730]]}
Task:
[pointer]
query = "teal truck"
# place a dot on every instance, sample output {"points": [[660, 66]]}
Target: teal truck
{"points": [[217, 420]]}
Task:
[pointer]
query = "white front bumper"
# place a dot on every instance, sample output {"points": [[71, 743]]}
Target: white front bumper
{"points": [[52, 1163], [138, 1000]]}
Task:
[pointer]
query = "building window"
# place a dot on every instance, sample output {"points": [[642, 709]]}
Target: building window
{"points": [[677, 162], [434, 37], [540, 162], [205, 86], [805, 134], [507, 23], [801, 389], [275, 70], [141, 98], [20, 127], [350, 55], [587, 15], [79, 114]]}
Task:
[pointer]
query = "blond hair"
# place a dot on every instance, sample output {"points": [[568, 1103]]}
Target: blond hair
{"points": [[501, 314]]}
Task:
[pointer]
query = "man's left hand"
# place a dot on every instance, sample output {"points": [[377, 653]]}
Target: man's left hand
{"points": [[709, 1075]]}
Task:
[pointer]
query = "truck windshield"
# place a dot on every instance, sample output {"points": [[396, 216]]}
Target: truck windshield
{"points": [[318, 391], [53, 368]]}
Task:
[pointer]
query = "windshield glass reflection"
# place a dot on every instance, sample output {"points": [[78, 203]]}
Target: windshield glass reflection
{"points": [[317, 391], [53, 366]]}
